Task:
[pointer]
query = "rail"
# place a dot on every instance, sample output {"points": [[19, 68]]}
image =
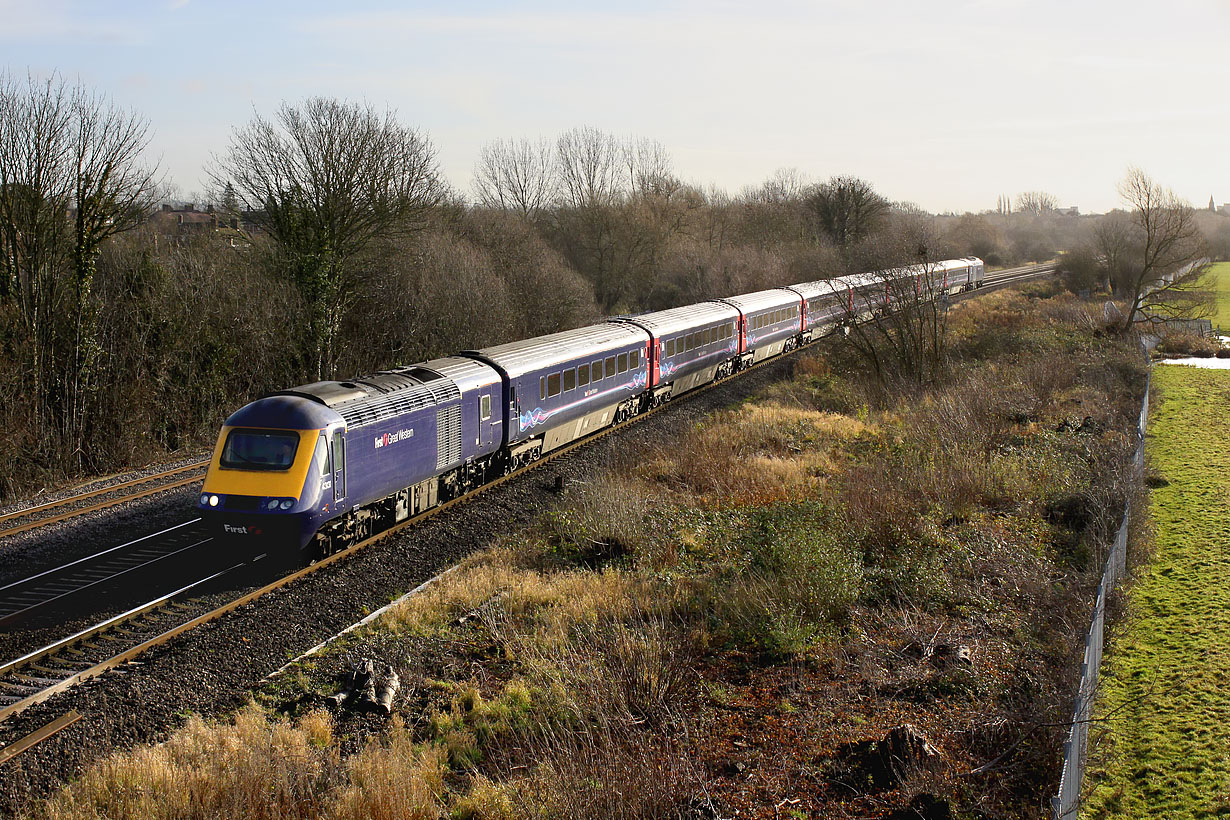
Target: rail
{"points": [[197, 469]]}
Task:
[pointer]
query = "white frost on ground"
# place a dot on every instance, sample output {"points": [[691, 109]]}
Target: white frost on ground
{"points": [[1211, 363]]}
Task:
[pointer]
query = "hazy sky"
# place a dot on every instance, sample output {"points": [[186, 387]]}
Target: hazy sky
{"points": [[947, 104]]}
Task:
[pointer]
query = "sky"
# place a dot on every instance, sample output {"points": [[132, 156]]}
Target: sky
{"points": [[944, 104]]}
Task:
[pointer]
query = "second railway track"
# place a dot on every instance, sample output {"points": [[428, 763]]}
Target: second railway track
{"points": [[63, 509]]}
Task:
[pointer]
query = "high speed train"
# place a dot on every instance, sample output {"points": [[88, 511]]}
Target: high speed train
{"points": [[318, 467]]}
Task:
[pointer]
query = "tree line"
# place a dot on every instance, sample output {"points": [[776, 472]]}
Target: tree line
{"points": [[121, 342]]}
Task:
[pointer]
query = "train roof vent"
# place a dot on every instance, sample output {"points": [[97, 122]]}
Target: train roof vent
{"points": [[388, 405]]}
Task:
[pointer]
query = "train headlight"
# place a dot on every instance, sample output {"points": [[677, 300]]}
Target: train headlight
{"points": [[204, 499], [288, 503], [272, 504], [213, 501]]}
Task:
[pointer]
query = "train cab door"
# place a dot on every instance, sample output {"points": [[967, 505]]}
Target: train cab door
{"points": [[339, 467]]}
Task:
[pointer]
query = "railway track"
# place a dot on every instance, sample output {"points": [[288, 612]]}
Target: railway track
{"points": [[114, 495], [38, 675], [41, 674], [19, 598]]}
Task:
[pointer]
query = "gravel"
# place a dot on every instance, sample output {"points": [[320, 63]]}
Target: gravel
{"points": [[211, 670]]}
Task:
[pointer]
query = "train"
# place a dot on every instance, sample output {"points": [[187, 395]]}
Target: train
{"points": [[311, 470]]}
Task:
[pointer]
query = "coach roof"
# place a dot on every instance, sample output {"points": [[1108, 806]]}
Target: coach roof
{"points": [[542, 352], [682, 319]]}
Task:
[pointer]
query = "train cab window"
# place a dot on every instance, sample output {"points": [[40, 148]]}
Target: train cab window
{"points": [[582, 375], [259, 450], [553, 385], [623, 363], [570, 379], [321, 457], [595, 371], [634, 359], [610, 366], [484, 408]]}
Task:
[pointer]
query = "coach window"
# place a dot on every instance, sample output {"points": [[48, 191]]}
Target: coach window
{"points": [[570, 379], [595, 371], [634, 359], [582, 375], [623, 363], [485, 408], [670, 347], [610, 366], [542, 387], [553, 385]]}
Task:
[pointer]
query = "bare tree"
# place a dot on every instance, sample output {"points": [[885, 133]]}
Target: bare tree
{"points": [[1036, 203], [71, 177], [327, 177], [1112, 239], [1165, 272], [897, 319], [591, 167], [846, 209], [516, 175]]}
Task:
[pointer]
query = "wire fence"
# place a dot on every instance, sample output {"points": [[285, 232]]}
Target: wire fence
{"points": [[1066, 804]]}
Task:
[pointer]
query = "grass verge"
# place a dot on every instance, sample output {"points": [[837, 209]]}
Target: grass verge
{"points": [[1220, 278], [1162, 751]]}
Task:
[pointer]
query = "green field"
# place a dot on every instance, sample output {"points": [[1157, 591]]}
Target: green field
{"points": [[1220, 276], [1165, 705]]}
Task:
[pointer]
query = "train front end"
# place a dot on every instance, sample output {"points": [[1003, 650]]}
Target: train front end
{"points": [[268, 488]]}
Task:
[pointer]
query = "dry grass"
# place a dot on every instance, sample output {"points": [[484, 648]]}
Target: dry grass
{"points": [[1179, 343], [252, 767], [758, 454], [393, 779]]}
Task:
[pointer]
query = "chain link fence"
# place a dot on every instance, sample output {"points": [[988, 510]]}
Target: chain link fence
{"points": [[1066, 804]]}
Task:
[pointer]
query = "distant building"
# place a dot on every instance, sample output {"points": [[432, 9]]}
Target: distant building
{"points": [[1070, 211], [178, 224]]}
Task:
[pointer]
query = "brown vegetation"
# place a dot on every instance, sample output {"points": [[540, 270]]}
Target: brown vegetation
{"points": [[890, 620]]}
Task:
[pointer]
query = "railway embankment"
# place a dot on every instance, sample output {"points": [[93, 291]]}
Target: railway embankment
{"points": [[1158, 748], [840, 598]]}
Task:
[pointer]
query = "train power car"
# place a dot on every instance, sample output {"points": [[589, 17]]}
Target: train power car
{"points": [[324, 464]]}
